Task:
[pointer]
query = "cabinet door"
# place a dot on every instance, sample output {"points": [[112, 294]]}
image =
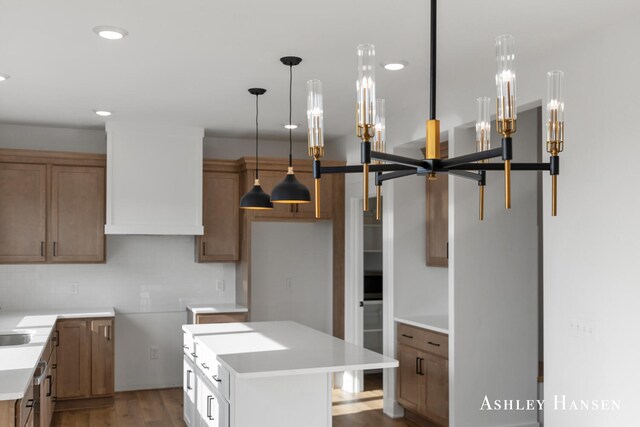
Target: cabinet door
{"points": [[189, 393], [53, 385], [77, 214], [268, 180], [409, 377], [102, 357], [435, 403], [308, 210], [23, 212], [220, 318], [74, 359], [221, 218]]}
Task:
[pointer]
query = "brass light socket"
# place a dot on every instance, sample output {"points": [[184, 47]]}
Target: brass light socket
{"points": [[432, 151], [481, 207], [365, 187], [316, 152], [554, 195], [507, 184]]}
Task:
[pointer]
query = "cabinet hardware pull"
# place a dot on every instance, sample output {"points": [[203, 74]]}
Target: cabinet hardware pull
{"points": [[209, 399], [55, 246], [57, 338], [54, 366], [189, 372], [418, 365], [408, 336], [205, 366], [41, 248], [50, 385], [109, 332], [421, 371], [30, 403], [216, 379], [185, 346], [204, 248], [432, 343], [194, 354]]}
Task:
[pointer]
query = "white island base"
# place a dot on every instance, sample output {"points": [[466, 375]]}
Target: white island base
{"points": [[265, 374]]}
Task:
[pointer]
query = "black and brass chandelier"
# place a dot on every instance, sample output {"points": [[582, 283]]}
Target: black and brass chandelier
{"points": [[370, 128]]}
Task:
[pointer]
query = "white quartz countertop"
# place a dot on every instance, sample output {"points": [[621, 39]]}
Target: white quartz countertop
{"points": [[267, 349], [17, 363], [216, 308], [433, 322]]}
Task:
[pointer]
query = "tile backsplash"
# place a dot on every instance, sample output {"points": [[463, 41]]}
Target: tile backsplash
{"points": [[143, 274]]}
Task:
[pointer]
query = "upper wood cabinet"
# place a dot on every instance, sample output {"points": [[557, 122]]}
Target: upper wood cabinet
{"points": [[77, 214], [221, 218], [52, 207], [23, 212], [438, 217]]}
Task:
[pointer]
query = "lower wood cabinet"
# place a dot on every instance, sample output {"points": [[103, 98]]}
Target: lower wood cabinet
{"points": [[423, 374], [221, 318], [85, 358]]}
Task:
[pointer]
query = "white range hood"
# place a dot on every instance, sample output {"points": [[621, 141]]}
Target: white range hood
{"points": [[154, 179]]}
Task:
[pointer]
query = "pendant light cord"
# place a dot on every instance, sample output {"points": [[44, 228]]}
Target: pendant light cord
{"points": [[257, 157], [432, 60], [290, 108]]}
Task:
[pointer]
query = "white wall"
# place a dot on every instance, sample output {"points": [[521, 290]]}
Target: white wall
{"points": [[291, 272], [148, 279], [493, 300]]}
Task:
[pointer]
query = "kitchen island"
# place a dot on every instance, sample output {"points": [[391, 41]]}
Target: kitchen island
{"points": [[265, 374]]}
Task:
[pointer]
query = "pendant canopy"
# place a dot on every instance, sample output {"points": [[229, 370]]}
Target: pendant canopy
{"points": [[290, 190], [256, 198]]}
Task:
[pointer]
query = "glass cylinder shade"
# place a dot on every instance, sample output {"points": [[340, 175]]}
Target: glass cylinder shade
{"points": [[506, 78], [555, 107], [379, 137], [315, 118], [366, 86], [483, 124]]}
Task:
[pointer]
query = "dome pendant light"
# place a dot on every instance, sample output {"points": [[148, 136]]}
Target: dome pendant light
{"points": [[256, 198], [290, 190]]}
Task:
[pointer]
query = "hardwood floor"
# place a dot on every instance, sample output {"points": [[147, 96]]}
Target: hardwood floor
{"points": [[163, 408]]}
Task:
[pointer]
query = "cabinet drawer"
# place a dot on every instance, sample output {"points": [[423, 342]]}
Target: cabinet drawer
{"points": [[220, 318], [213, 370], [422, 339], [188, 346]]}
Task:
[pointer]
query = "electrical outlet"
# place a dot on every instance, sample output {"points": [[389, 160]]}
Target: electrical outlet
{"points": [[154, 353], [220, 285], [74, 288]]}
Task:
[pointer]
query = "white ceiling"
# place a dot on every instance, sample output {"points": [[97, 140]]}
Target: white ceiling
{"points": [[191, 61]]}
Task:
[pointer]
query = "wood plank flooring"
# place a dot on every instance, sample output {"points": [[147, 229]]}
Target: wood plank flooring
{"points": [[163, 408]]}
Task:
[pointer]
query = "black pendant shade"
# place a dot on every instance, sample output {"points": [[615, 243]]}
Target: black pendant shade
{"points": [[290, 190], [256, 199]]}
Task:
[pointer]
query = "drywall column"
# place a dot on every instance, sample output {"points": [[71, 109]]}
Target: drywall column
{"points": [[493, 287]]}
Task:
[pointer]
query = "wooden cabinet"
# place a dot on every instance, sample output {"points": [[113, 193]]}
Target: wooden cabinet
{"points": [[438, 217], [77, 213], [221, 318], [52, 207], [221, 218], [23, 212], [102, 357], [48, 389], [85, 358], [423, 374], [74, 359]]}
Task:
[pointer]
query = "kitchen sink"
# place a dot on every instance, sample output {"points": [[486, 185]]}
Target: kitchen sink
{"points": [[9, 338]]}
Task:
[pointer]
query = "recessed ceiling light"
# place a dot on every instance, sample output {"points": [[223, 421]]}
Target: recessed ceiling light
{"points": [[102, 113], [395, 66], [110, 32], [291, 126], [3, 77]]}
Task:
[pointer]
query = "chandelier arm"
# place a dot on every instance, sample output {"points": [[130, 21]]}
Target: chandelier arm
{"points": [[498, 167], [393, 175], [467, 158], [401, 160], [467, 175], [372, 168]]}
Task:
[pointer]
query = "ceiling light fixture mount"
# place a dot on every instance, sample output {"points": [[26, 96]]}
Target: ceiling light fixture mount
{"points": [[103, 113], [470, 166], [290, 190], [110, 32], [256, 198]]}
